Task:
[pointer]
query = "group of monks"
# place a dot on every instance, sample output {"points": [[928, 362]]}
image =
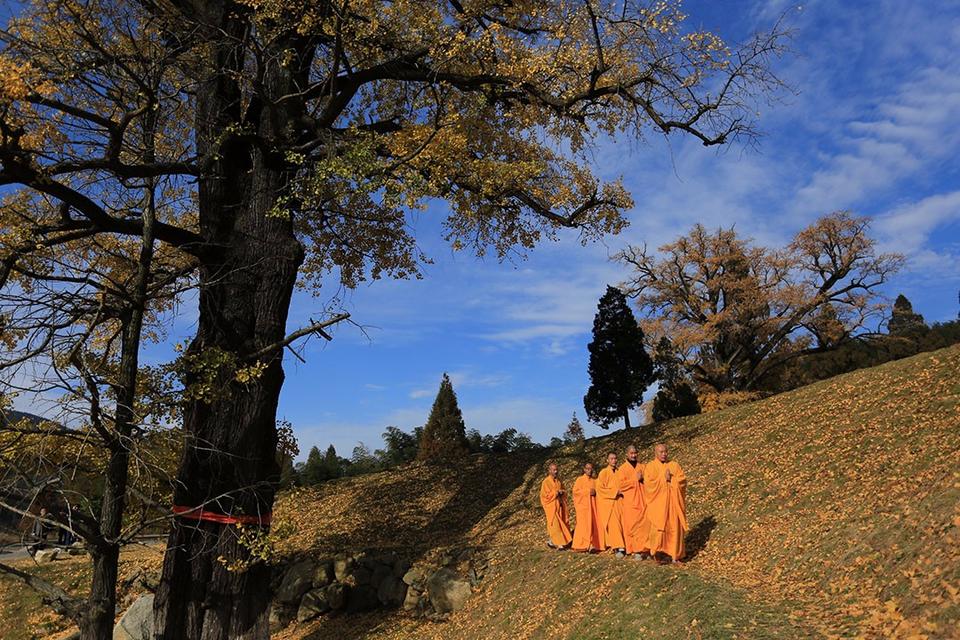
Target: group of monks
{"points": [[631, 509]]}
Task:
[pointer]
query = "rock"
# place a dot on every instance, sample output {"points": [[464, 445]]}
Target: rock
{"points": [[336, 596], [400, 567], [342, 566], [137, 622], [280, 616], [323, 575], [411, 600], [43, 556], [448, 591], [415, 576], [362, 598], [447, 559], [392, 592], [358, 576], [77, 549], [319, 601], [380, 573], [474, 577], [296, 582], [313, 604]]}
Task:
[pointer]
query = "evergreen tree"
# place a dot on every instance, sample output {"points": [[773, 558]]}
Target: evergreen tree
{"points": [[620, 369], [574, 432], [676, 396], [444, 435], [903, 320], [289, 477], [314, 470], [332, 463]]}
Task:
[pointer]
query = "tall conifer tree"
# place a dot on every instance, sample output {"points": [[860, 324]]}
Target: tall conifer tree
{"points": [[444, 435], [620, 369]]}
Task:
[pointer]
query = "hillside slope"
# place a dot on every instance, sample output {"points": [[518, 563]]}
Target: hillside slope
{"points": [[829, 510]]}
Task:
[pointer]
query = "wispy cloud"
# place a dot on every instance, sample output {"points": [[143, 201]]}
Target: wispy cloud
{"points": [[464, 379]]}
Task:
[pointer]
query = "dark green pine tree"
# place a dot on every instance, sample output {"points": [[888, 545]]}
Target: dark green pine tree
{"points": [[313, 470], [620, 369], [331, 463], [676, 397], [444, 436], [903, 321]]}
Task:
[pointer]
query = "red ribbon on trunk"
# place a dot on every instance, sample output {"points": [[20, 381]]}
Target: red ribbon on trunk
{"points": [[198, 513]]}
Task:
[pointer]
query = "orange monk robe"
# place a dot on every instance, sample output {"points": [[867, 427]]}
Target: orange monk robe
{"points": [[609, 510], [587, 534], [555, 508], [665, 519], [633, 506]]}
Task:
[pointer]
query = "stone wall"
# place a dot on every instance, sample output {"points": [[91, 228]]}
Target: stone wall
{"points": [[351, 582]]}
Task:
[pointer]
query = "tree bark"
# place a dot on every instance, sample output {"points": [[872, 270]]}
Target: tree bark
{"points": [[626, 419], [246, 284]]}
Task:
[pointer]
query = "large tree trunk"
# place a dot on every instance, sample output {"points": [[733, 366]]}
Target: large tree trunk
{"points": [[626, 419], [229, 461]]}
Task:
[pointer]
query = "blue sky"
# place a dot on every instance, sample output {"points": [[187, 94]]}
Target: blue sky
{"points": [[872, 128]]}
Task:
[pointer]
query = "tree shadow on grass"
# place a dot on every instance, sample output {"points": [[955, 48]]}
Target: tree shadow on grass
{"points": [[698, 536], [418, 508]]}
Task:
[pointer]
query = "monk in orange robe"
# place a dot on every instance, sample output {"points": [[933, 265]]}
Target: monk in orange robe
{"points": [[554, 501], [665, 519], [610, 508], [586, 537], [629, 476]]}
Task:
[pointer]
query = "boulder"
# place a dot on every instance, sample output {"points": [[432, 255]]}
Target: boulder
{"points": [[281, 615], [400, 567], [319, 601], [391, 592], [76, 549], [43, 556], [342, 566], [412, 599], [359, 576], [296, 582], [362, 598], [380, 573], [414, 577], [137, 622], [448, 591], [336, 596], [323, 575]]}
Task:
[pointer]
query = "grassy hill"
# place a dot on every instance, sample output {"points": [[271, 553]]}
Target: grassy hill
{"points": [[831, 510]]}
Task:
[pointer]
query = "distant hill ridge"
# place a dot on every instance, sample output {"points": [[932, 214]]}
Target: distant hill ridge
{"points": [[11, 417]]}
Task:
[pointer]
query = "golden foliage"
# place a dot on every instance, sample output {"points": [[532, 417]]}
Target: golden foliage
{"points": [[837, 504], [712, 401]]}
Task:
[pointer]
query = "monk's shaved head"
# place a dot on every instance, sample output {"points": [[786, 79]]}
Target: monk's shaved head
{"points": [[632, 454], [588, 469], [661, 451], [612, 459], [631, 448]]}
